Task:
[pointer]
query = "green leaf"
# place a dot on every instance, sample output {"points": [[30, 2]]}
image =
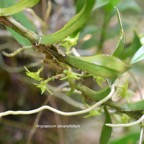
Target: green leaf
{"points": [[19, 6], [99, 65], [131, 49], [120, 46], [136, 106], [115, 2], [70, 27], [106, 131], [78, 5], [138, 56], [109, 9], [22, 40]]}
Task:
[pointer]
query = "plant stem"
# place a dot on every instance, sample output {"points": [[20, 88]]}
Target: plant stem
{"points": [[13, 24]]}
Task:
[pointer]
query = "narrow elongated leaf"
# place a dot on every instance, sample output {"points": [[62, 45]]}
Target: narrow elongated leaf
{"points": [[131, 49], [78, 5], [136, 106], [98, 65], [69, 28], [107, 61], [21, 40], [106, 131], [120, 46], [138, 56], [19, 6]]}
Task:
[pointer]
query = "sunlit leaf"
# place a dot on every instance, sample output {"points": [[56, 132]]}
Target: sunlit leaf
{"points": [[138, 56], [106, 131]]}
